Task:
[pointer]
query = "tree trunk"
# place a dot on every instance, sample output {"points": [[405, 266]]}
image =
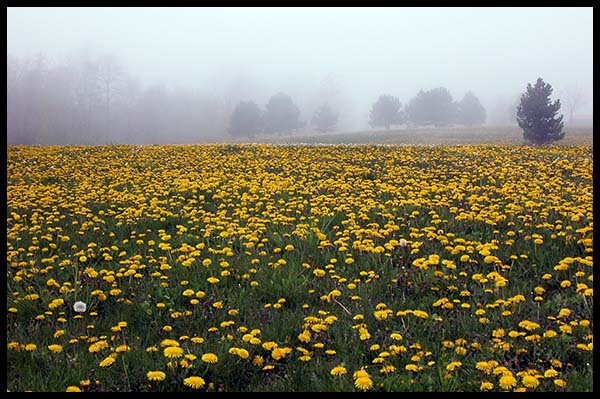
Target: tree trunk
{"points": [[571, 117]]}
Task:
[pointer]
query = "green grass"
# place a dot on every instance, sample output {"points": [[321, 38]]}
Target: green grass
{"points": [[430, 136]]}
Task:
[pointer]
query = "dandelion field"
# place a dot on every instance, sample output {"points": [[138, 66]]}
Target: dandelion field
{"points": [[300, 268]]}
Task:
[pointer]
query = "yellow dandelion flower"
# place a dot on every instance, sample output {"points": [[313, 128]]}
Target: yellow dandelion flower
{"points": [[169, 342], [564, 312], [530, 381], [507, 381], [387, 369], [73, 388], [363, 383], [156, 375], [190, 356], [173, 352], [360, 373], [453, 366], [529, 325], [560, 383], [584, 323], [460, 350], [550, 334], [338, 370], [257, 360], [16, 346], [421, 314], [396, 336], [280, 353], [319, 272], [567, 329], [194, 382], [55, 348], [550, 373], [122, 348], [565, 283], [364, 334], [243, 353], [269, 345], [486, 386], [209, 358], [304, 336], [107, 362], [411, 367]]}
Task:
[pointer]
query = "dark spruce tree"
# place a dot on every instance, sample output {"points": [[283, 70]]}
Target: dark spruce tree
{"points": [[538, 116], [246, 120], [386, 112], [324, 119]]}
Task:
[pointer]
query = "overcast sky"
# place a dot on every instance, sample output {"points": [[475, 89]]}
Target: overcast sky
{"points": [[368, 51]]}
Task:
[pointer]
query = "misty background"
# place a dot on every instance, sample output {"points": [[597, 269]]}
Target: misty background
{"points": [[174, 75]]}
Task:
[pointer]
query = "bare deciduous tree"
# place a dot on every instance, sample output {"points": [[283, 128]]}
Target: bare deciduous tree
{"points": [[110, 77], [574, 98]]}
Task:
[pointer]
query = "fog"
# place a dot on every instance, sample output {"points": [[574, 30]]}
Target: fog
{"points": [[174, 75]]}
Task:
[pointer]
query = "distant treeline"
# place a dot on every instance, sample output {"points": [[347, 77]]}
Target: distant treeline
{"points": [[94, 100]]}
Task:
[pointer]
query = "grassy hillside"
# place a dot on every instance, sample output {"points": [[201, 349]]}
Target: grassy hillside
{"points": [[427, 136]]}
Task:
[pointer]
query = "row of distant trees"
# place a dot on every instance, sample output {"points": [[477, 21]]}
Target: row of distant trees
{"points": [[537, 115], [433, 107], [280, 115]]}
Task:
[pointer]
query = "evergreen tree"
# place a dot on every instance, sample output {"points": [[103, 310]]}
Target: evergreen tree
{"points": [[538, 116]]}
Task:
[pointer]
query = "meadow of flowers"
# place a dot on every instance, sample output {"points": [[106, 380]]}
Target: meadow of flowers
{"points": [[299, 268]]}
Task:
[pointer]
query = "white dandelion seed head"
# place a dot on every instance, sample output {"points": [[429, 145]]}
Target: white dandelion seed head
{"points": [[79, 307]]}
